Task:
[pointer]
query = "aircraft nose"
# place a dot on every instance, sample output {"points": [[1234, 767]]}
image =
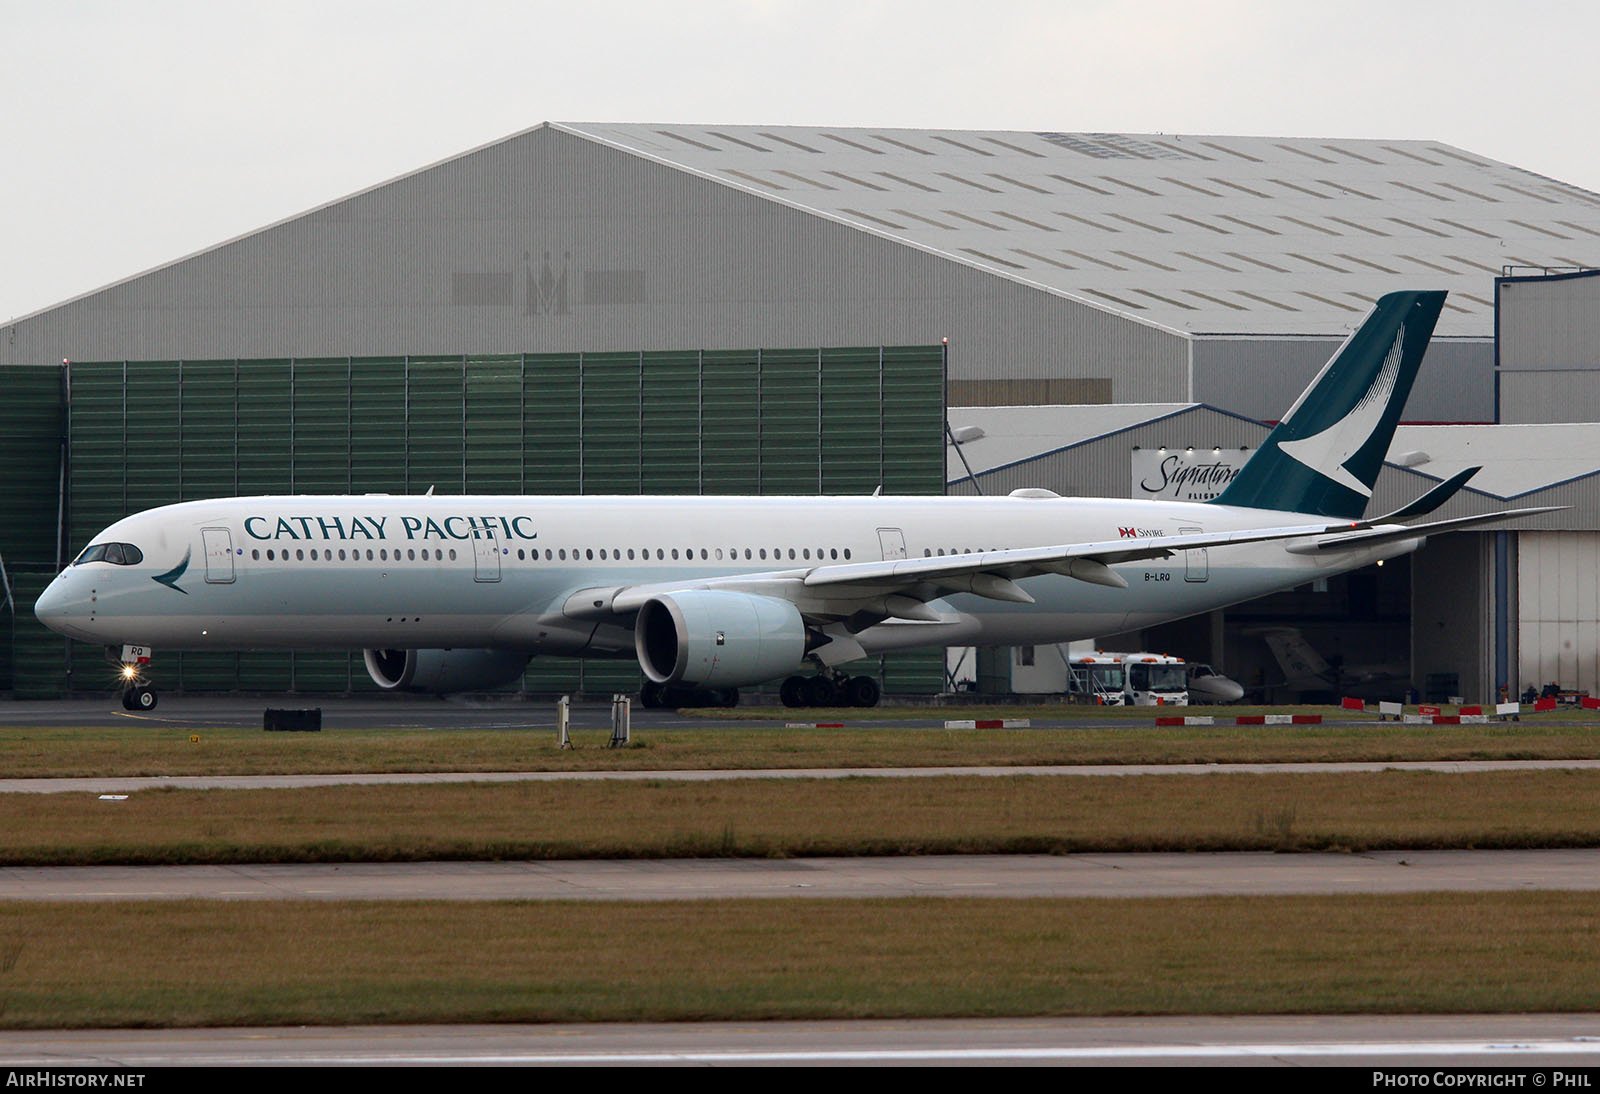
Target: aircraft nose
{"points": [[51, 607], [62, 608]]}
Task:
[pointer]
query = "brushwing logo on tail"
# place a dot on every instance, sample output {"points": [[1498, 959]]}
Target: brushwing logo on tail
{"points": [[170, 578], [1327, 452]]}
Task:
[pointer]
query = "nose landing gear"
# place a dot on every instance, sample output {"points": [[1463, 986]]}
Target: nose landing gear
{"points": [[140, 697], [137, 694]]}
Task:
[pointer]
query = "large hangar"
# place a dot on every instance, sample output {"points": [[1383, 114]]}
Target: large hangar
{"points": [[1062, 268]]}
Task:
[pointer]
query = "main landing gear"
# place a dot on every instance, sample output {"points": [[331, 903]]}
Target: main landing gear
{"points": [[829, 691], [655, 696]]}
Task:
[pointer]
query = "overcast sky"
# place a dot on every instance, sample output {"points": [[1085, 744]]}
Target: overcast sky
{"points": [[136, 133]]}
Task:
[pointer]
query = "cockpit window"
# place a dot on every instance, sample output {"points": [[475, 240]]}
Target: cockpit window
{"points": [[118, 554]]}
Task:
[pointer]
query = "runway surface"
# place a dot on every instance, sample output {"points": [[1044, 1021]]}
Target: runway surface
{"points": [[1522, 1041], [1055, 876]]}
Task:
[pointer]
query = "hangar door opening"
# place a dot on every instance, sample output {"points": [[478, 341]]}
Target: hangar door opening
{"points": [[1349, 635]]}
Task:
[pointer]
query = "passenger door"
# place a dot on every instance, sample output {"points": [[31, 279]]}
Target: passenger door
{"points": [[486, 555], [218, 543], [1197, 564]]}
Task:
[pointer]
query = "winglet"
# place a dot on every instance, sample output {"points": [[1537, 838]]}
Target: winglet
{"points": [[1430, 501]]}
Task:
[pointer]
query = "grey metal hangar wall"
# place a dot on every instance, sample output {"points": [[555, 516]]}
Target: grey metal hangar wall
{"points": [[805, 421]]}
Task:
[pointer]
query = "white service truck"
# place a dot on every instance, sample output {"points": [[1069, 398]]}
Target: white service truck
{"points": [[1129, 679]]}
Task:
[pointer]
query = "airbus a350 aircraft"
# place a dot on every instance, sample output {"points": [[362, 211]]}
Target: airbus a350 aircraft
{"points": [[712, 594]]}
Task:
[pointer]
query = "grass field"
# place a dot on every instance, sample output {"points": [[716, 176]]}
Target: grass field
{"points": [[169, 963], [136, 750], [800, 817], [212, 963]]}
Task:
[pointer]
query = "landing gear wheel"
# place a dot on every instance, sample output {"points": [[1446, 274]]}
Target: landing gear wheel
{"points": [[728, 697], [142, 698], [652, 696], [127, 699], [862, 691], [820, 692], [793, 691]]}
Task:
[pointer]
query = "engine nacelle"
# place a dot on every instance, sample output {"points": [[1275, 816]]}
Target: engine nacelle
{"points": [[443, 672], [712, 639]]}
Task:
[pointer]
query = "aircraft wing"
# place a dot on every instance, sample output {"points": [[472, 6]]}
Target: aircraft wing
{"points": [[901, 587], [840, 590], [1089, 562], [1368, 537]]}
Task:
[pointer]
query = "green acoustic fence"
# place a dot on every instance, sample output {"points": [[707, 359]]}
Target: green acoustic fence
{"points": [[31, 442], [786, 421]]}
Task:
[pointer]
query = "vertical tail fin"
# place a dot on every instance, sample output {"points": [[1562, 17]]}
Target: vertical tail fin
{"points": [[1326, 453]]}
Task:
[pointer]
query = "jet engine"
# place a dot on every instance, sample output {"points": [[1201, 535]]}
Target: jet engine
{"points": [[443, 672], [713, 639]]}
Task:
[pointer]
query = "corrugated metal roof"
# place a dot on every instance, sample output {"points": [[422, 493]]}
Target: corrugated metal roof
{"points": [[1201, 234]]}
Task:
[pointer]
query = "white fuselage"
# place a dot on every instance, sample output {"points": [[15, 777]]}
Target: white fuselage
{"points": [[395, 572]]}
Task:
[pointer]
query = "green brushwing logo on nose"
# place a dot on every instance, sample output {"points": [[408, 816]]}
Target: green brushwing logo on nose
{"points": [[170, 578]]}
